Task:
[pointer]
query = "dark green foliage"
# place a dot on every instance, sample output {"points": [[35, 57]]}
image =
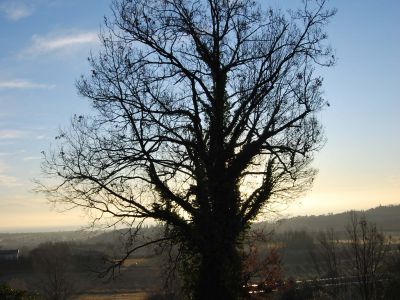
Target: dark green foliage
{"points": [[392, 285], [8, 293], [298, 292]]}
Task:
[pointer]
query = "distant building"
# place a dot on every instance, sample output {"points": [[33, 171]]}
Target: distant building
{"points": [[9, 254]]}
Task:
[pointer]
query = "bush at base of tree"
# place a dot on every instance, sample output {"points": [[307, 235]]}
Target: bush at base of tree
{"points": [[9, 293]]}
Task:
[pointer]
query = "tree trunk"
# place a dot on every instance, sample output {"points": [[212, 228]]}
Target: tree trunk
{"points": [[220, 269], [219, 273]]}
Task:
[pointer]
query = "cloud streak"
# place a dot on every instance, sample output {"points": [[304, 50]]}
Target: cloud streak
{"points": [[8, 181], [12, 134], [22, 84], [27, 158], [56, 42], [16, 10]]}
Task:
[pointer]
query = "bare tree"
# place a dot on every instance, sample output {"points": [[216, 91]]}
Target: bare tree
{"points": [[327, 255], [366, 252], [392, 285], [206, 112], [52, 263]]}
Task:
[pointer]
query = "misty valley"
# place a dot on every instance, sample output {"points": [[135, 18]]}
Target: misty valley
{"points": [[296, 258]]}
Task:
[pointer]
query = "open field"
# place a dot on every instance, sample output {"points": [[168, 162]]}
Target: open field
{"points": [[144, 273], [117, 296], [131, 262]]}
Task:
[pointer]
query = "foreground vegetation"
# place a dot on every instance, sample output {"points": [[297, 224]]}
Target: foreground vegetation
{"points": [[357, 262]]}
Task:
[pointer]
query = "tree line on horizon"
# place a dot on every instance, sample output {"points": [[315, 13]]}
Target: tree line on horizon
{"points": [[362, 265]]}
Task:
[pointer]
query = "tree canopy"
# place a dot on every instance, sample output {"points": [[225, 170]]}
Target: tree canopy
{"points": [[205, 112]]}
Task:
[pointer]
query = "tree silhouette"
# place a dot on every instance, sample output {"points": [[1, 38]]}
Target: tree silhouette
{"points": [[367, 252], [52, 264], [205, 112]]}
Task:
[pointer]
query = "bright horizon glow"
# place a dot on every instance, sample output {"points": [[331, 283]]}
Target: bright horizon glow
{"points": [[45, 44]]}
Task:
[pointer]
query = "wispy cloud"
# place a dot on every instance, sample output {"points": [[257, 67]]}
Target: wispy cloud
{"points": [[15, 10], [12, 134], [51, 44], [394, 180], [22, 84], [59, 42], [8, 181], [27, 158], [3, 167]]}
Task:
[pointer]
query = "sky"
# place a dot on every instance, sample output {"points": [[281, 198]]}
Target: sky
{"points": [[44, 49]]}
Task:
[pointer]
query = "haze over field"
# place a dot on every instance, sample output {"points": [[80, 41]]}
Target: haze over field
{"points": [[44, 48]]}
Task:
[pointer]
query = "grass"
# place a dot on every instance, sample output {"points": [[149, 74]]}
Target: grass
{"points": [[116, 296], [134, 262]]}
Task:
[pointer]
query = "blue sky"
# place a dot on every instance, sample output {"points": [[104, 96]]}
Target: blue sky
{"points": [[44, 46]]}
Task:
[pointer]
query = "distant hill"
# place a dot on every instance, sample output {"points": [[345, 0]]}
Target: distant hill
{"points": [[33, 239], [387, 219], [100, 238]]}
